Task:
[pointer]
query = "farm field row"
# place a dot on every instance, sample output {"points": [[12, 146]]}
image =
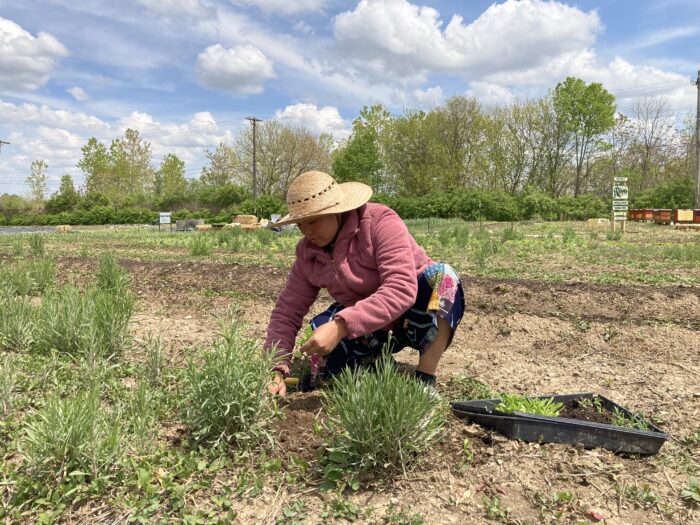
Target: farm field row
{"points": [[550, 309]]}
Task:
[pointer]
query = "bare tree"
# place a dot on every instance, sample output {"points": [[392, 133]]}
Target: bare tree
{"points": [[37, 182]]}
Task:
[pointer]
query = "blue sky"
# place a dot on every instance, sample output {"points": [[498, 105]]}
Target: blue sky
{"points": [[186, 73]]}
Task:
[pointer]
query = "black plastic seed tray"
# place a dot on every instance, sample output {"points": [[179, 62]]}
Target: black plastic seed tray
{"points": [[547, 429]]}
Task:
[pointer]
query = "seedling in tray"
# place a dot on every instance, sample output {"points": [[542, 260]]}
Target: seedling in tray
{"points": [[516, 403], [582, 419]]}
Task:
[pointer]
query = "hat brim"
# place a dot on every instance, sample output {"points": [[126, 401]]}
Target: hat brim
{"points": [[355, 194]]}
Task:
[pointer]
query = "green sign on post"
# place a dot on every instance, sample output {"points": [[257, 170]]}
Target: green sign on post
{"points": [[620, 192]]}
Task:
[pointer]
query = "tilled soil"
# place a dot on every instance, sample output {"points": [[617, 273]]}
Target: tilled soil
{"points": [[636, 345]]}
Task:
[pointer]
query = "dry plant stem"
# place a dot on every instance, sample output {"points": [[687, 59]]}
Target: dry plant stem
{"points": [[428, 361]]}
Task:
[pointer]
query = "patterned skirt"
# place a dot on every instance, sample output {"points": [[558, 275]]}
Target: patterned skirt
{"points": [[439, 294]]}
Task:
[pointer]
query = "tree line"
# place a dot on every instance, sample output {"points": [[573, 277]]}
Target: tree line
{"points": [[563, 148]]}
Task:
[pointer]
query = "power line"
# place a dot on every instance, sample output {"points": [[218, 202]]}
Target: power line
{"points": [[1, 144]]}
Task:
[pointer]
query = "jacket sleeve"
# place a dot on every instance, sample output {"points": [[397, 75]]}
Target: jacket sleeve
{"points": [[288, 314], [398, 285]]}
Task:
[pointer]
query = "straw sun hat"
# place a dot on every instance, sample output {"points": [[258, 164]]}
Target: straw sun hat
{"points": [[316, 193]]}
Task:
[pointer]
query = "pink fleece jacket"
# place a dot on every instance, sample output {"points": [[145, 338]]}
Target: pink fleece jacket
{"points": [[372, 271]]}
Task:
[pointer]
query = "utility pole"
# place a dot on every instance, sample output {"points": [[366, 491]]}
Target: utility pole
{"points": [[254, 121], [3, 142], [697, 147]]}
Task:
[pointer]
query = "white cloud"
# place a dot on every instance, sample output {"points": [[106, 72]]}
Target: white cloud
{"points": [[425, 99], [187, 8], [34, 115], [490, 94], [78, 94], [283, 7], [304, 28], [56, 136], [428, 98], [241, 69], [26, 61], [317, 120], [397, 38], [662, 36], [623, 79]]}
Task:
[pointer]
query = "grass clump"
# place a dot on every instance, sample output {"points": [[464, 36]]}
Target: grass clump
{"points": [[227, 397], [378, 420], [18, 319], [91, 324], [682, 252], [200, 246], [110, 276], [29, 278], [516, 403], [74, 438], [37, 245], [467, 388], [8, 384]]}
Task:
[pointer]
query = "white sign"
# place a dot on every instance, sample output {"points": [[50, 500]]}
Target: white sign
{"points": [[621, 202], [620, 192], [620, 179], [620, 218], [620, 208], [164, 217]]}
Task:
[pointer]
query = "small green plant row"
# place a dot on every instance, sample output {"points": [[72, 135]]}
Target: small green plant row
{"points": [[93, 323], [530, 405], [547, 407]]}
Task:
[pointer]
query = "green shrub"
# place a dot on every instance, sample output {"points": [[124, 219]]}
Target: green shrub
{"points": [[512, 234], [8, 384], [91, 324], [263, 206], [42, 273], [227, 397], [17, 247], [679, 192], [379, 420], [682, 252], [74, 437], [582, 207], [200, 245], [18, 323], [29, 277], [568, 235], [37, 245], [111, 276]]}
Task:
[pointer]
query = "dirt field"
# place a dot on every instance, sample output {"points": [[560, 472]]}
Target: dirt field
{"points": [[637, 345]]}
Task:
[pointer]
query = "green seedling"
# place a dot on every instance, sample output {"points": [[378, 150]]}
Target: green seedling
{"points": [[691, 491], [593, 403], [516, 403], [305, 336], [641, 496], [494, 509], [634, 421]]}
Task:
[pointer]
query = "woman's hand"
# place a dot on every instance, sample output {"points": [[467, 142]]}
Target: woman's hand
{"points": [[326, 337], [277, 386]]}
